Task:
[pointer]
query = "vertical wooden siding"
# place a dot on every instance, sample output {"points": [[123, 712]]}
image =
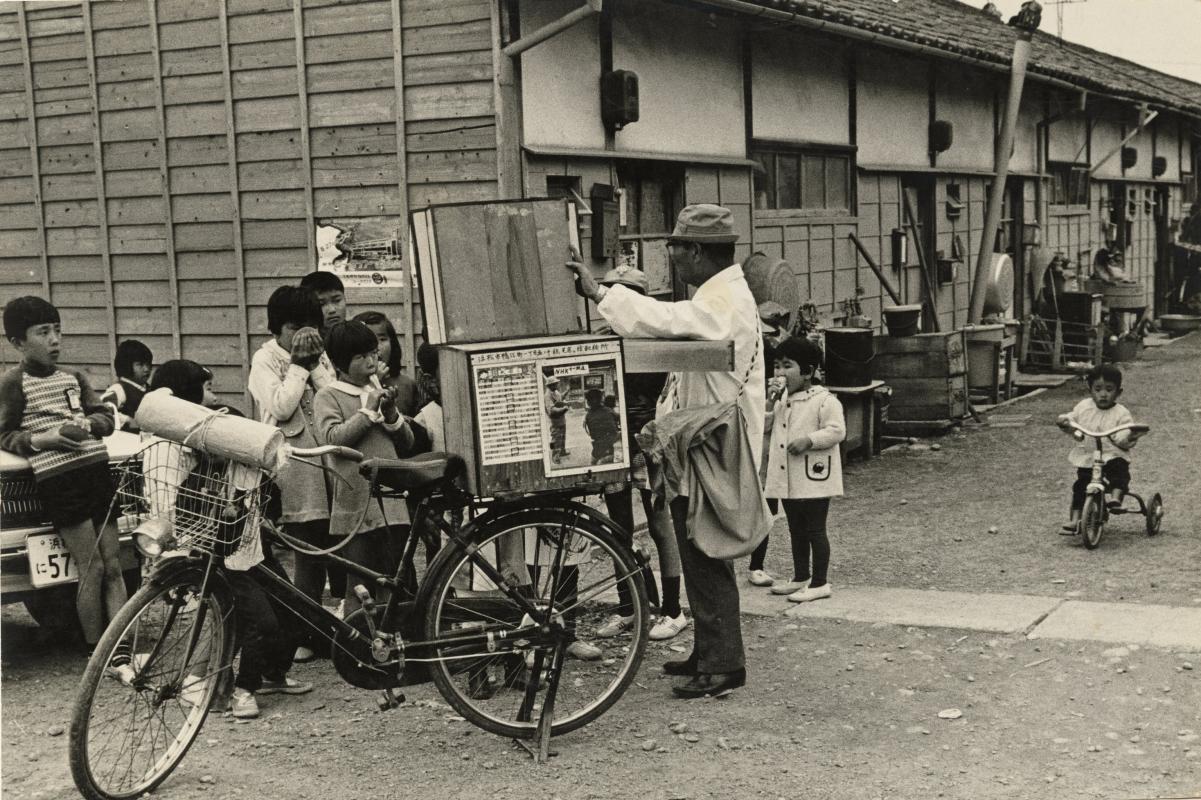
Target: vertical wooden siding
{"points": [[162, 161]]}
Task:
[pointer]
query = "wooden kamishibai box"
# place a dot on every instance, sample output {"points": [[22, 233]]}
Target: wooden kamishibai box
{"points": [[501, 306], [927, 373], [495, 403]]}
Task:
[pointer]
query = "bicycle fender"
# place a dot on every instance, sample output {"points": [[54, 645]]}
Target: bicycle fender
{"points": [[171, 569]]}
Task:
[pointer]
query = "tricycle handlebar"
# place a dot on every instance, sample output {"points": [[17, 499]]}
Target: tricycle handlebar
{"points": [[1133, 427]]}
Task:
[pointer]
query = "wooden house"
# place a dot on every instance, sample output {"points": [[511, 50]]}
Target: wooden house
{"points": [[165, 164]]}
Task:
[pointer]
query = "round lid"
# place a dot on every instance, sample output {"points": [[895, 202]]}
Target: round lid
{"points": [[998, 295]]}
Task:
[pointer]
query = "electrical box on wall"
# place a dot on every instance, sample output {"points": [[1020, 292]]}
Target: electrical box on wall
{"points": [[605, 221], [619, 98]]}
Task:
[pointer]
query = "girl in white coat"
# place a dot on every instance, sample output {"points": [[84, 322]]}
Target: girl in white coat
{"points": [[804, 468]]}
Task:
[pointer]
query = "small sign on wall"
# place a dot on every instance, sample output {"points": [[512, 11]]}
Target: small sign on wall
{"points": [[362, 252]]}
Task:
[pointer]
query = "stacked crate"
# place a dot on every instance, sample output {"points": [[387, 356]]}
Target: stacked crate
{"points": [[928, 376]]}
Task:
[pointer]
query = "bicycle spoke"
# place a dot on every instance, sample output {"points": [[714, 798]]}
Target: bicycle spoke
{"points": [[574, 565]]}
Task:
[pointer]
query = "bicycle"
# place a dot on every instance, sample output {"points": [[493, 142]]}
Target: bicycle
{"points": [[1095, 512], [493, 644]]}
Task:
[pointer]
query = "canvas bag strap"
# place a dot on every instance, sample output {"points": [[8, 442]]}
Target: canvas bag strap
{"points": [[751, 366]]}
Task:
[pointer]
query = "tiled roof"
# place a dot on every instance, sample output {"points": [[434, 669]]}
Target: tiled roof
{"points": [[958, 28]]}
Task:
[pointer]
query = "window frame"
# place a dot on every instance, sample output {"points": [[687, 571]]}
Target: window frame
{"points": [[1063, 170], [804, 153]]}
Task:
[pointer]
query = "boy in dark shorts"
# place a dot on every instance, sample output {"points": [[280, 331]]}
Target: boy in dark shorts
{"points": [[52, 417], [601, 424]]}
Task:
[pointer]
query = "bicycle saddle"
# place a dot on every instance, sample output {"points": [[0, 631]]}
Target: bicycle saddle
{"points": [[404, 474]]}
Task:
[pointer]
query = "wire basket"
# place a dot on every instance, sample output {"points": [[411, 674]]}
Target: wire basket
{"points": [[214, 505]]}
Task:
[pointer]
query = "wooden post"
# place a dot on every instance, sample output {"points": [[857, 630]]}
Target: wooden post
{"points": [[508, 120], [106, 259], [165, 177], [231, 140], [34, 156], [306, 152], [402, 172]]}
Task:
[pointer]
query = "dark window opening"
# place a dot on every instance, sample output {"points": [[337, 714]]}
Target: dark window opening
{"points": [[805, 179], [653, 194], [1069, 183]]}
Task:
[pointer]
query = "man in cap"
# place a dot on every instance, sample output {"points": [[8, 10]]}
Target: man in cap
{"points": [[701, 250], [556, 409]]}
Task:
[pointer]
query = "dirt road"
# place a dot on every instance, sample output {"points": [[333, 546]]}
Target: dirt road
{"points": [[833, 709]]}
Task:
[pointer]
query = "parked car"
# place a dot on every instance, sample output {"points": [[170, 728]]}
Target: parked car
{"points": [[35, 567]]}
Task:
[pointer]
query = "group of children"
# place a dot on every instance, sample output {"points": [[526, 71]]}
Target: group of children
{"points": [[323, 379], [320, 378]]}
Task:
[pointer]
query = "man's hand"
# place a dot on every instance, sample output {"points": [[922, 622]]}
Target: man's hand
{"points": [[800, 445], [586, 285], [645, 438], [54, 440]]}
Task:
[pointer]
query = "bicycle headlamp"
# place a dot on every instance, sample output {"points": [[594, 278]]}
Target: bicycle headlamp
{"points": [[153, 536]]}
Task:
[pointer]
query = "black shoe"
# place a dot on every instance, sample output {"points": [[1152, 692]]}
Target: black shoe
{"points": [[686, 666], [706, 684]]}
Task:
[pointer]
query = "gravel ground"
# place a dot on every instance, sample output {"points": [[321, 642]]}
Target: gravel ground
{"points": [[833, 709]]}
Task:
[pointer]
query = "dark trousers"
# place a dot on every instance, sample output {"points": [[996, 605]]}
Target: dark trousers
{"points": [[311, 571], [759, 555], [807, 530], [1115, 475], [713, 596], [267, 631]]}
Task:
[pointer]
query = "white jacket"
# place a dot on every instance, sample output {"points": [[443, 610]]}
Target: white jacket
{"points": [[722, 308], [278, 387], [817, 472]]}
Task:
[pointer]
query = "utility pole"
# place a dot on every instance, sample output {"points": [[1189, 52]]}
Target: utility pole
{"points": [[1026, 21]]}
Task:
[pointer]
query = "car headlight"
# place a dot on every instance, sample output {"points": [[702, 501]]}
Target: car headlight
{"points": [[153, 536]]}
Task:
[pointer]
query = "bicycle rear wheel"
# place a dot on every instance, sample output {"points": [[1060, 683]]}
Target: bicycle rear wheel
{"points": [[128, 733], [579, 575], [1092, 520]]}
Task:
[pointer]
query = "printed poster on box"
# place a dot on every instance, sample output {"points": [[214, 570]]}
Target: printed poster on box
{"points": [[562, 405]]}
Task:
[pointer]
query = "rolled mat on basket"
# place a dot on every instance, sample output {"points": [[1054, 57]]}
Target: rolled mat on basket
{"points": [[236, 438]]}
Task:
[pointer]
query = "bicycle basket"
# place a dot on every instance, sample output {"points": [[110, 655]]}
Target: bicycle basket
{"points": [[214, 505]]}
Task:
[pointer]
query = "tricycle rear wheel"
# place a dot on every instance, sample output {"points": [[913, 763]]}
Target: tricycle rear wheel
{"points": [[1154, 514]]}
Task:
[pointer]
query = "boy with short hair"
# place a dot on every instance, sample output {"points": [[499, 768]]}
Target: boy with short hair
{"points": [[132, 365], [52, 417], [1100, 411], [330, 293]]}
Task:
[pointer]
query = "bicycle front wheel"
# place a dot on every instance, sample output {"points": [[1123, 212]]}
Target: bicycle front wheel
{"points": [[130, 727], [577, 575]]}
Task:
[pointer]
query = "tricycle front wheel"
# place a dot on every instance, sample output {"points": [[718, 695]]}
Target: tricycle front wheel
{"points": [[1092, 520]]}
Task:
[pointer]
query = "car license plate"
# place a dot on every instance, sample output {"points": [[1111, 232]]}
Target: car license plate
{"points": [[50, 561]]}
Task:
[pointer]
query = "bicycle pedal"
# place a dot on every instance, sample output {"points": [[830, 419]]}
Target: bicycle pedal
{"points": [[364, 596]]}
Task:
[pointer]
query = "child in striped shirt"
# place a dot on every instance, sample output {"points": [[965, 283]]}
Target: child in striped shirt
{"points": [[52, 417]]}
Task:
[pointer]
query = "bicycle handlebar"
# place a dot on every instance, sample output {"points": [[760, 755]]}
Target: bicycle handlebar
{"points": [[348, 453], [1133, 427]]}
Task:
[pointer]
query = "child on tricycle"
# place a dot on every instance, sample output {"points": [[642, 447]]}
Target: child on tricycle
{"points": [[1105, 433]]}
